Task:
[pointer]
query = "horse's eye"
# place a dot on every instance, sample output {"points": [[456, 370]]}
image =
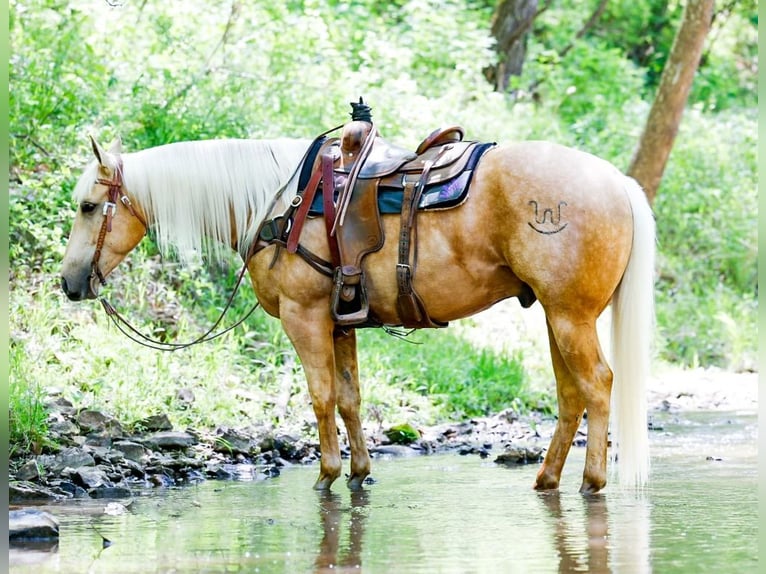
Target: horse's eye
{"points": [[87, 207]]}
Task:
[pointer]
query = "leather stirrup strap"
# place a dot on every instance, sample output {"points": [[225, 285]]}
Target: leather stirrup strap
{"points": [[328, 205]]}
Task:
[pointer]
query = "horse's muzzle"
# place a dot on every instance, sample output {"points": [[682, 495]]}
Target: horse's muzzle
{"points": [[78, 292]]}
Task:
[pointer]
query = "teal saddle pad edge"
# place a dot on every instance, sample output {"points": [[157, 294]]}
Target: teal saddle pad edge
{"points": [[441, 195]]}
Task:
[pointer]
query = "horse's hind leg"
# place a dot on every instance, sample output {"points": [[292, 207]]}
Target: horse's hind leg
{"points": [[349, 402], [570, 407], [583, 381]]}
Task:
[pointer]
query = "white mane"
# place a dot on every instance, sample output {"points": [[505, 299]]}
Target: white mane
{"points": [[196, 193]]}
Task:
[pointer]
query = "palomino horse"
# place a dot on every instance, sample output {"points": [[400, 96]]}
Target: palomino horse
{"points": [[540, 218]]}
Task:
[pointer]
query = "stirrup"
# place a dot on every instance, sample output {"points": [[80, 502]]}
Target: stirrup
{"points": [[349, 305]]}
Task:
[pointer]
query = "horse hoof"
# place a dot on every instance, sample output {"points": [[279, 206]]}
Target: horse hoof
{"points": [[323, 484], [546, 483], [588, 488], [355, 483]]}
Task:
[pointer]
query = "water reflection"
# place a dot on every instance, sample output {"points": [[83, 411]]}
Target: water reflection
{"points": [[333, 557], [594, 557], [589, 539]]}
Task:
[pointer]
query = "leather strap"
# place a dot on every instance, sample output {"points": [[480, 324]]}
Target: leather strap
{"points": [[410, 306], [345, 194], [304, 205], [113, 194], [328, 192]]}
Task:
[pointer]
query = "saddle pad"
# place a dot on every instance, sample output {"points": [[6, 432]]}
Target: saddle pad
{"points": [[441, 195]]}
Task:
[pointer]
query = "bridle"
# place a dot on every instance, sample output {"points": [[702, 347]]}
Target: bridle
{"points": [[116, 194]]}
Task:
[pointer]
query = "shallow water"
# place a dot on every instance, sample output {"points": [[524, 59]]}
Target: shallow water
{"points": [[445, 513]]}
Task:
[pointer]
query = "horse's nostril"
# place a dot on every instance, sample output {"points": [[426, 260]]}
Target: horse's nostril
{"points": [[72, 294]]}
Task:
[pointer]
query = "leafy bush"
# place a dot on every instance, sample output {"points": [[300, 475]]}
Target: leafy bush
{"points": [[706, 219]]}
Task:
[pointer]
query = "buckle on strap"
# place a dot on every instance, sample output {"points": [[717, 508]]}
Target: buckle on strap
{"points": [[109, 206], [404, 278]]}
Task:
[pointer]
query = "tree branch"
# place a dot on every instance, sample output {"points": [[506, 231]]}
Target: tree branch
{"points": [[586, 27], [207, 69], [589, 23]]}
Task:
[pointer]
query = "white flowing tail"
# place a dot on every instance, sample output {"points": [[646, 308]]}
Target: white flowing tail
{"points": [[632, 328]]}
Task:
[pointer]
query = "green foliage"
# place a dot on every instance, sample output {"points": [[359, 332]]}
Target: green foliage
{"points": [[28, 417], [402, 434], [460, 378], [589, 94], [709, 277]]}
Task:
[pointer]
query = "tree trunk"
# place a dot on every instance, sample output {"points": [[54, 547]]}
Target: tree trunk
{"points": [[510, 27], [661, 127]]}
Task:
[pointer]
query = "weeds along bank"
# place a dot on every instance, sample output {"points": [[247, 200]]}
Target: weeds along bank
{"points": [[139, 84]]}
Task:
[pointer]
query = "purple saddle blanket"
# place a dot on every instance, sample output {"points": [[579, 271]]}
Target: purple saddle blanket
{"points": [[442, 195]]}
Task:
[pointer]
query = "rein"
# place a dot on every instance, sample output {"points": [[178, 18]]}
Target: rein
{"points": [[138, 337], [115, 194]]}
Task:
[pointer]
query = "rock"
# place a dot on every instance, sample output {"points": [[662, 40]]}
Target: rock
{"points": [[170, 440], [515, 454], [402, 434], [131, 450], [219, 472], [134, 468], [182, 462], [287, 446], [115, 509], [110, 492], [22, 492], [266, 443], [393, 450], [155, 423], [101, 439], [161, 480], [71, 458], [90, 477], [232, 442], [185, 397], [28, 471], [61, 405], [64, 428], [31, 524], [92, 421], [70, 488]]}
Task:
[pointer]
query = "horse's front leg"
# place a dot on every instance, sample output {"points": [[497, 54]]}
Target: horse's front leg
{"points": [[349, 402], [310, 330]]}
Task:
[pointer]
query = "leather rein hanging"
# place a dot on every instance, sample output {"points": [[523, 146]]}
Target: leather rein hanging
{"points": [[114, 194]]}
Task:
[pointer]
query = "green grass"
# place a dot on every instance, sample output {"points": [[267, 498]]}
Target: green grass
{"points": [[27, 416], [460, 379]]}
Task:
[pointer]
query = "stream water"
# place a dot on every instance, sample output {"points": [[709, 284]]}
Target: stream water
{"points": [[440, 514]]}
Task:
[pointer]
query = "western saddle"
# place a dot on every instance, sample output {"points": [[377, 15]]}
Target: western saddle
{"points": [[350, 171]]}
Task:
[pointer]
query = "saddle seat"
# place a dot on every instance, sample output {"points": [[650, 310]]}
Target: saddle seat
{"points": [[386, 159]]}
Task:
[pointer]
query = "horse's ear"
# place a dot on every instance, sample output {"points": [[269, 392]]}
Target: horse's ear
{"points": [[116, 146], [97, 150]]}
